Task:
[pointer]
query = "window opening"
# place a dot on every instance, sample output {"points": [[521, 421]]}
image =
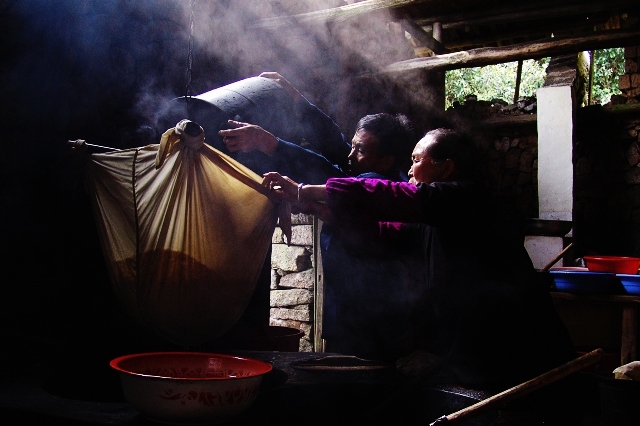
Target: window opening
{"points": [[514, 80]]}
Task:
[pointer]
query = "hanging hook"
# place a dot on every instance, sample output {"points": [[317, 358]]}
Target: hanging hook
{"points": [[190, 53]]}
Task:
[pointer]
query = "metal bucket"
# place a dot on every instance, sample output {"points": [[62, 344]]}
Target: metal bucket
{"points": [[256, 100]]}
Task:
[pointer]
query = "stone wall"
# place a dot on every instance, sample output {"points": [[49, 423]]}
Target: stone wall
{"points": [[607, 169], [507, 137], [607, 181], [606, 161], [629, 83], [293, 279]]}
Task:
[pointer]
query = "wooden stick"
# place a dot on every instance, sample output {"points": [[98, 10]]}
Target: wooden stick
{"points": [[82, 145], [521, 389], [516, 94], [555, 259]]}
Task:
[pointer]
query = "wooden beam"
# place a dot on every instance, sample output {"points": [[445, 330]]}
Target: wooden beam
{"points": [[340, 13], [592, 62], [455, 19], [628, 347], [524, 33], [422, 37], [525, 30], [534, 50], [516, 94]]}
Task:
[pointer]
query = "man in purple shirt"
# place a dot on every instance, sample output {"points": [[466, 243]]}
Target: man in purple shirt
{"points": [[483, 316]]}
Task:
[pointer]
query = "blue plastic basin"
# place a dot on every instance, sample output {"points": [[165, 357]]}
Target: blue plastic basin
{"points": [[584, 282]]}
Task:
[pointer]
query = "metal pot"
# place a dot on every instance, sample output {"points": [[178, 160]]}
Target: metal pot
{"points": [[544, 227]]}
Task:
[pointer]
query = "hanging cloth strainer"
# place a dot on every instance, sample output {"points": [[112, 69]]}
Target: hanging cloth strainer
{"points": [[185, 231]]}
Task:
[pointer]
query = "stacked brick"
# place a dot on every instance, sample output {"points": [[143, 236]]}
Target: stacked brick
{"points": [[630, 135], [293, 278], [509, 148], [475, 109], [629, 83]]}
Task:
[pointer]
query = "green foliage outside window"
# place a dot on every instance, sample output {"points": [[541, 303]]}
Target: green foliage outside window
{"points": [[609, 65], [499, 81]]}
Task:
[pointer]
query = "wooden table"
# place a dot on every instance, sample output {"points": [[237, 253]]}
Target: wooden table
{"points": [[629, 326]]}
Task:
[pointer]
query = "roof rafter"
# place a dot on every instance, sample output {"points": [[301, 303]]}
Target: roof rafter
{"points": [[534, 50]]}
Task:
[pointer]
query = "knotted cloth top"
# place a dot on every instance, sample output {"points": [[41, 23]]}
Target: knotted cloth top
{"points": [[180, 134]]}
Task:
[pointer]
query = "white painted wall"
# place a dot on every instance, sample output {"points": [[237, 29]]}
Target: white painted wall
{"points": [[555, 168], [555, 148], [543, 249]]}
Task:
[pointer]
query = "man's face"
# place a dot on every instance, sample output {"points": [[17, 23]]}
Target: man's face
{"points": [[364, 156], [424, 169]]}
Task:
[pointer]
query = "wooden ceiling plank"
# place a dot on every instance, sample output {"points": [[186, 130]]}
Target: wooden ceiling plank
{"points": [[536, 30], [533, 50], [340, 13], [521, 14]]}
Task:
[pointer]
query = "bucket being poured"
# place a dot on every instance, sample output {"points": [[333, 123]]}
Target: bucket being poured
{"points": [[266, 103], [256, 100]]}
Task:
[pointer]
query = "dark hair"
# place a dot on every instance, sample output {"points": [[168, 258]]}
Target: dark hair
{"points": [[457, 146], [395, 135]]}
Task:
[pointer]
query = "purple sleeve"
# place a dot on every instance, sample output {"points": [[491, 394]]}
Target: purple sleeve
{"points": [[374, 200], [372, 214]]}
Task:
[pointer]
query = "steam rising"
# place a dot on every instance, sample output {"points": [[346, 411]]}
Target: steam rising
{"points": [[99, 65], [99, 70]]}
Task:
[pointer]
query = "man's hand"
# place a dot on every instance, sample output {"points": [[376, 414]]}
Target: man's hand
{"points": [[245, 137], [282, 186]]}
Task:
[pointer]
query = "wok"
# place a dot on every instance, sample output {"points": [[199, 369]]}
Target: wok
{"points": [[546, 227]]}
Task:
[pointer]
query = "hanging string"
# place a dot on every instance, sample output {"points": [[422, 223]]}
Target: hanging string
{"points": [[190, 54]]}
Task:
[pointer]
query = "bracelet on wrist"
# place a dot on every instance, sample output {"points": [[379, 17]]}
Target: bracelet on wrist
{"points": [[300, 185]]}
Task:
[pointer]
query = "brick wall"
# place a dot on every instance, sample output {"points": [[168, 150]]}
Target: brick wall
{"points": [[293, 279], [629, 83]]}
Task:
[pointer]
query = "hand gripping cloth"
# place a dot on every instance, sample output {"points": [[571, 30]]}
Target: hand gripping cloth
{"points": [[185, 231]]}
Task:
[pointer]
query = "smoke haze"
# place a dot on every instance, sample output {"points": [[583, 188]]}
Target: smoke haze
{"points": [[99, 65], [99, 70]]}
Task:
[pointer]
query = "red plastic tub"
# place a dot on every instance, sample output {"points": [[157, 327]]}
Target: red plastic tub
{"points": [[615, 264]]}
